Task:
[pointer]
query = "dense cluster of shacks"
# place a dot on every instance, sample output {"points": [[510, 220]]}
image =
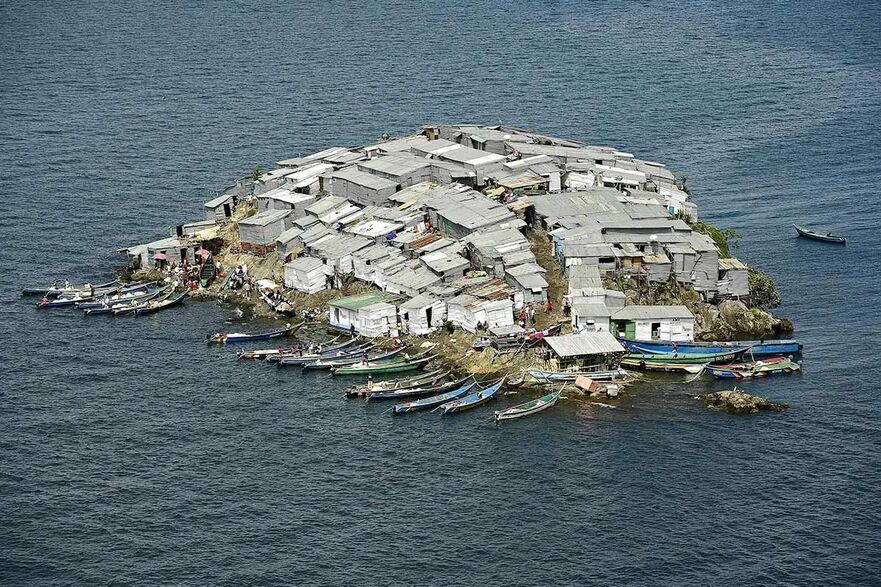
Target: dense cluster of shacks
{"points": [[436, 222]]}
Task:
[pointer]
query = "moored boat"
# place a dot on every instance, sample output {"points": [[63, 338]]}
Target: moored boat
{"points": [[327, 364], [420, 380], [109, 307], [780, 366], [54, 291], [378, 367], [826, 237], [528, 408], [543, 376], [433, 401], [757, 348], [233, 337], [473, 400], [418, 391], [644, 365], [296, 359], [684, 358], [152, 307]]}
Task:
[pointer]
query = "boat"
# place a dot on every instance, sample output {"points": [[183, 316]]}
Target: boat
{"points": [[293, 359], [60, 302], [120, 299], [778, 366], [55, 291], [757, 348], [528, 408], [644, 365], [152, 307], [325, 348], [423, 391], [554, 376], [233, 337], [371, 367], [684, 358], [473, 400], [130, 303], [826, 237], [433, 401], [328, 364], [429, 378]]}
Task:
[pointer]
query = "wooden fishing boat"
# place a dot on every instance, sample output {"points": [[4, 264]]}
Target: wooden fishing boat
{"points": [[54, 292], [60, 302], [685, 358], [377, 367], [473, 400], [328, 364], [125, 309], [152, 307], [528, 408], [826, 237], [421, 380], [121, 299], [325, 348], [234, 337], [131, 303], [644, 365], [779, 366], [757, 348], [398, 394], [433, 401], [208, 272], [290, 360], [542, 376]]}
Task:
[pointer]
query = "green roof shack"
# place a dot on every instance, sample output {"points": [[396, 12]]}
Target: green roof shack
{"points": [[363, 310]]}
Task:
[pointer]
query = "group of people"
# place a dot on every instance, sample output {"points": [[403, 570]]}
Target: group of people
{"points": [[526, 316], [241, 280]]}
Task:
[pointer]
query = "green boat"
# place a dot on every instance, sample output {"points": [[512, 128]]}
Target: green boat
{"points": [[381, 367]]}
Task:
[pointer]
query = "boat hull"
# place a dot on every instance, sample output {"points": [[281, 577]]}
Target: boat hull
{"points": [[756, 348], [563, 376], [525, 409], [432, 402], [826, 238]]}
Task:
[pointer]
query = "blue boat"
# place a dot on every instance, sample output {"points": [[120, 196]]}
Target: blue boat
{"points": [[757, 348], [433, 401], [473, 400]]}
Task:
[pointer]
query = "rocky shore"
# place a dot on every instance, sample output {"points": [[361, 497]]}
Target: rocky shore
{"points": [[739, 402]]}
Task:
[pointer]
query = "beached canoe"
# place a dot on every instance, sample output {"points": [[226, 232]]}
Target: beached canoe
{"points": [[757, 348], [472, 400], [826, 237], [528, 408], [421, 391], [561, 376], [754, 369], [381, 367], [153, 306], [433, 401]]}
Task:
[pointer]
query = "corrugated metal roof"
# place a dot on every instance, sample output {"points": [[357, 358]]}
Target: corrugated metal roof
{"points": [[265, 218], [732, 263], [363, 300], [420, 301], [652, 312], [583, 344], [589, 309]]}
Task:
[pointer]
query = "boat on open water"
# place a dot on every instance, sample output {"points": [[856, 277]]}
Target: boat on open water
{"points": [[826, 237], [528, 408]]}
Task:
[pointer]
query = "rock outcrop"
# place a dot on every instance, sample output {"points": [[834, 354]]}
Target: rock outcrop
{"points": [[739, 402], [733, 320]]}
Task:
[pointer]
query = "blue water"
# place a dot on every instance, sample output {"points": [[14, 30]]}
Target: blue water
{"points": [[132, 454]]}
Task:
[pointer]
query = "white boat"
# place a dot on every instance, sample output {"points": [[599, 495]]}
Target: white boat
{"points": [[528, 408]]}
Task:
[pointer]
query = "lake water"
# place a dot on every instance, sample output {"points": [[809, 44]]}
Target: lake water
{"points": [[132, 453]]}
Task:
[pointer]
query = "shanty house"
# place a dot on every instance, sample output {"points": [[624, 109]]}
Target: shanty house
{"points": [[258, 233], [164, 251], [379, 319], [285, 199], [590, 317], [359, 311], [584, 352], [733, 278], [359, 186], [529, 285], [674, 323], [468, 312], [220, 208], [305, 274], [422, 314]]}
